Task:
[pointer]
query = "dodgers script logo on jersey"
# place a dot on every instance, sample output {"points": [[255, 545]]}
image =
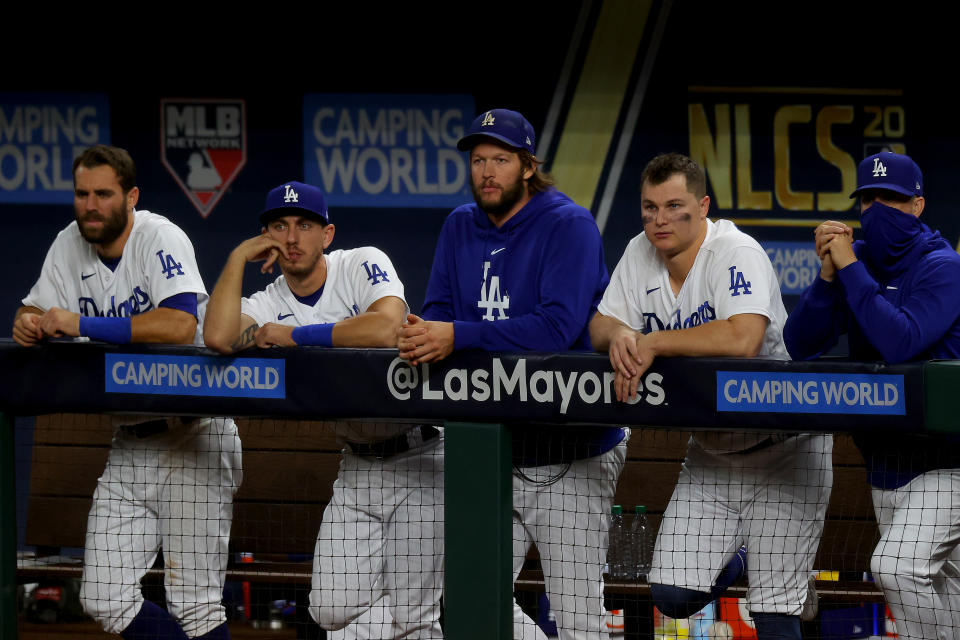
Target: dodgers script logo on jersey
{"points": [[704, 314], [739, 285], [491, 301], [138, 302]]}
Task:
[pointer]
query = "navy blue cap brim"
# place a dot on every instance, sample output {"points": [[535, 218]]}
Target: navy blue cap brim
{"points": [[883, 185], [279, 212], [466, 143]]}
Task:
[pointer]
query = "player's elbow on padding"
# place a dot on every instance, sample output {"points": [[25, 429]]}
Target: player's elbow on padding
{"points": [[385, 333], [746, 346], [178, 328], [217, 343], [746, 339]]}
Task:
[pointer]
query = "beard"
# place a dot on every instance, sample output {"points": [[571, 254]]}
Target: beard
{"points": [[509, 197], [302, 268], [114, 224]]}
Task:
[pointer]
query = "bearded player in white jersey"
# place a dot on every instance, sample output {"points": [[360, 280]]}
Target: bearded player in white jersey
{"points": [[687, 286], [121, 275], [366, 547]]}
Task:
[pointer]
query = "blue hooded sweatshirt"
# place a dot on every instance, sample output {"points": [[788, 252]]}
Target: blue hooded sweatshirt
{"points": [[900, 301], [530, 285]]}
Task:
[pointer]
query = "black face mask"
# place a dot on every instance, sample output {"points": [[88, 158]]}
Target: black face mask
{"points": [[889, 233]]}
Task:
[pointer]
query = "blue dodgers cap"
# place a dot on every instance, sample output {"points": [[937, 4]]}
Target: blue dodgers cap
{"points": [[296, 196], [500, 124], [892, 171]]}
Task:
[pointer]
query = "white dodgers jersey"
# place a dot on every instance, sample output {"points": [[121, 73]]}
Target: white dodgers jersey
{"points": [[157, 262], [731, 275], [356, 278]]}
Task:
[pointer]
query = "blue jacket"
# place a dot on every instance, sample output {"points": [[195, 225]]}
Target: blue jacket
{"points": [[531, 285], [910, 311]]}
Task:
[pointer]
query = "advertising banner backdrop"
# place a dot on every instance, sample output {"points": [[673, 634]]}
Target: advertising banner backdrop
{"points": [[40, 135], [379, 150], [796, 264]]}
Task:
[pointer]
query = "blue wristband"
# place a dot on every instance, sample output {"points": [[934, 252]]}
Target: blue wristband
{"points": [[314, 335], [112, 330]]}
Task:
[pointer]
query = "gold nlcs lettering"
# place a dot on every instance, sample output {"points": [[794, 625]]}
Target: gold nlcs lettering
{"points": [[726, 153]]}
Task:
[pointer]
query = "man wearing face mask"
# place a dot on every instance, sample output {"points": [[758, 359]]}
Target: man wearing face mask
{"points": [[896, 293]]}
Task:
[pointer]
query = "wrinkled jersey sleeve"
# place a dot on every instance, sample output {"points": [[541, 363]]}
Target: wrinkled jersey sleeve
{"points": [[741, 283], [621, 299], [48, 291], [372, 277], [170, 265]]}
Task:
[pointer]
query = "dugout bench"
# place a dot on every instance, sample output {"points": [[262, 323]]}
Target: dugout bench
{"points": [[680, 394]]}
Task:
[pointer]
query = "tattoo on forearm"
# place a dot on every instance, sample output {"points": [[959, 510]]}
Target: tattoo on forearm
{"points": [[246, 338]]}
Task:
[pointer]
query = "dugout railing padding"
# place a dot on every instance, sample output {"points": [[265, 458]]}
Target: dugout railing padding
{"points": [[474, 393]]}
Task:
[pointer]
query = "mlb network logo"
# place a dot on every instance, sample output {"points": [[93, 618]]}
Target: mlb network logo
{"points": [[204, 146]]}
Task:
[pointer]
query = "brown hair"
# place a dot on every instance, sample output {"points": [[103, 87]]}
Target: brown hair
{"points": [[114, 157], [540, 181], [666, 165]]}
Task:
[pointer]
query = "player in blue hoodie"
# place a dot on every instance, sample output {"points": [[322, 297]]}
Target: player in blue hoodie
{"points": [[522, 269], [896, 293]]}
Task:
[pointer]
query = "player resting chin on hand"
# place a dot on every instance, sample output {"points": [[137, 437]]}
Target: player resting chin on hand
{"points": [[346, 298]]}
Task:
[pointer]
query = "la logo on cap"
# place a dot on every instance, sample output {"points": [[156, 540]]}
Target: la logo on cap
{"points": [[289, 195], [487, 119], [880, 170]]}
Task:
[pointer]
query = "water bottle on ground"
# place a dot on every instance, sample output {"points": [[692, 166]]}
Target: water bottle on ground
{"points": [[641, 542], [616, 564]]}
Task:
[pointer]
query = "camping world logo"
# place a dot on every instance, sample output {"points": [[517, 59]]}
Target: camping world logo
{"points": [[204, 146]]}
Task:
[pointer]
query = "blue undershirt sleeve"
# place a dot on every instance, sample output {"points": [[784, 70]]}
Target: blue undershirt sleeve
{"points": [[182, 301]]}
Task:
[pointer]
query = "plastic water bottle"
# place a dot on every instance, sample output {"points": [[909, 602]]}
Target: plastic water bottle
{"points": [[616, 564], [642, 543]]}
